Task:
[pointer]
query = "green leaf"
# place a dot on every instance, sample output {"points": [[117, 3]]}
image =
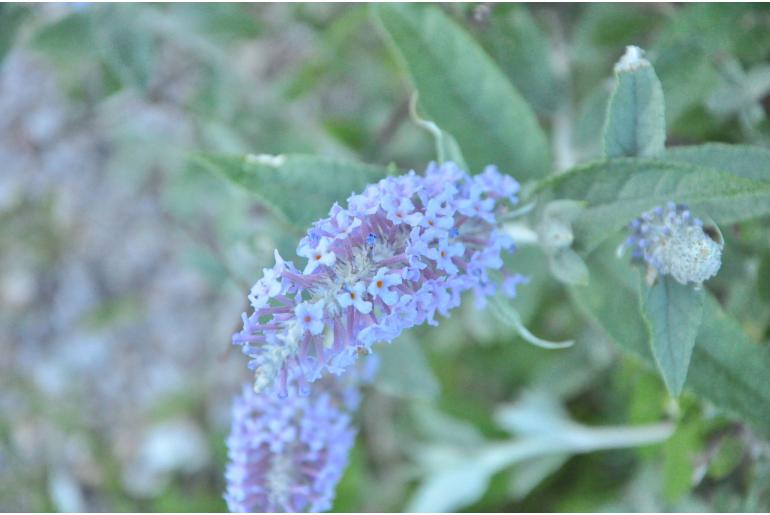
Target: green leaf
{"points": [[11, 17], [66, 39], [729, 454], [404, 370], [678, 458], [763, 277], [568, 267], [731, 368], [619, 190], [590, 119], [636, 124], [745, 161], [727, 369], [124, 44], [531, 473], [740, 91], [227, 22], [300, 188], [673, 313], [439, 427], [522, 50], [687, 76], [456, 476], [464, 92], [116, 36]]}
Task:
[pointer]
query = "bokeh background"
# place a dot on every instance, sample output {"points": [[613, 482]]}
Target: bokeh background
{"points": [[124, 267]]}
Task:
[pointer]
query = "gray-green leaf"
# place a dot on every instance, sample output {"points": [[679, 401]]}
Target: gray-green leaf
{"points": [[515, 40], [635, 124], [745, 161], [300, 188], [11, 17], [464, 91], [673, 312], [727, 368], [568, 267], [404, 370]]}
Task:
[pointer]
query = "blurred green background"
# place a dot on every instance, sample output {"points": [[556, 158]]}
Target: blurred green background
{"points": [[124, 267]]}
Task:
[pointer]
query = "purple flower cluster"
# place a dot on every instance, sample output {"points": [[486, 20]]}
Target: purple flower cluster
{"points": [[404, 250], [671, 241], [288, 454]]}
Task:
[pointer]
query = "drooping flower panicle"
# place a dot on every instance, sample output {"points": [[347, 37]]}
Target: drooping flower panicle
{"points": [[404, 249], [670, 240]]}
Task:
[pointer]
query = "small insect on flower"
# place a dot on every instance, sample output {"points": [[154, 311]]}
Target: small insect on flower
{"points": [[403, 250], [670, 241]]}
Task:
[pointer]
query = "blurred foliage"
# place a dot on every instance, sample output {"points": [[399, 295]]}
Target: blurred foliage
{"points": [[152, 87]]}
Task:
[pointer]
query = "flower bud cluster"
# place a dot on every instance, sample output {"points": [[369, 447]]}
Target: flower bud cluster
{"points": [[673, 242], [402, 251]]}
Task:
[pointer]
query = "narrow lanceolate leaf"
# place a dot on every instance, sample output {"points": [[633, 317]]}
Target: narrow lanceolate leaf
{"points": [[464, 92], [300, 188], [727, 369], [745, 161], [618, 190], [515, 41], [673, 313], [635, 124]]}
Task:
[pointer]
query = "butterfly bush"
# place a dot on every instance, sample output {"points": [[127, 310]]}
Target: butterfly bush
{"points": [[673, 242], [403, 251], [288, 454]]}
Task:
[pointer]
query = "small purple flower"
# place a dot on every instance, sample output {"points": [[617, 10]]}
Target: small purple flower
{"points": [[446, 251], [380, 286], [510, 284], [320, 255], [355, 297], [341, 223], [265, 289], [416, 248], [476, 206], [401, 211], [310, 316], [498, 185], [436, 219]]}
